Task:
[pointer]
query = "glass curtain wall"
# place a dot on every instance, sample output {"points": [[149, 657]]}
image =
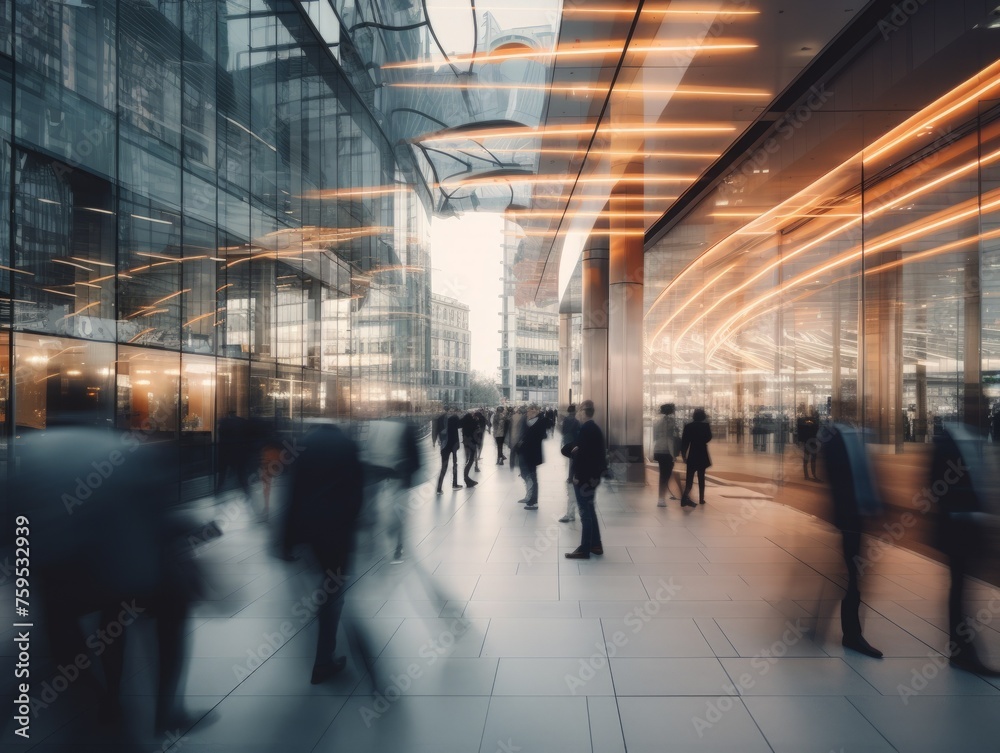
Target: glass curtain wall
{"points": [[865, 294], [199, 224]]}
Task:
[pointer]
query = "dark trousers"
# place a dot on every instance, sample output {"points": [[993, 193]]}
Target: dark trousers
{"points": [[585, 500], [850, 621], [445, 454], [530, 475], [809, 459], [689, 482], [237, 461], [666, 463], [470, 458], [500, 455]]}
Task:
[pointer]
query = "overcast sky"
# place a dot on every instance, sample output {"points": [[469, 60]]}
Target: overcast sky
{"points": [[465, 262]]}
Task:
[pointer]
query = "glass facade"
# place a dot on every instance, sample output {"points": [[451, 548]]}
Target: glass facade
{"points": [[195, 219], [847, 266], [451, 352]]}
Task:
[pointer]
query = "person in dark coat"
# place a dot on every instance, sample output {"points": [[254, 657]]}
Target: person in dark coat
{"points": [[470, 427], [960, 534], [854, 498], [325, 500], [234, 448], [529, 454], [445, 434], [694, 451], [806, 429], [589, 463]]}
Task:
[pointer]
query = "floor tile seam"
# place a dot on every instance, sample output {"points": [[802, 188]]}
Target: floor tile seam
{"points": [[871, 722], [904, 629], [614, 690]]}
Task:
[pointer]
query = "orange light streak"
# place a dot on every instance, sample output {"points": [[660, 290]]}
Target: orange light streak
{"points": [[572, 52]]}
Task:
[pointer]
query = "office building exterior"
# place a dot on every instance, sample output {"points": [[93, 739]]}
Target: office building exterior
{"points": [[451, 352]]}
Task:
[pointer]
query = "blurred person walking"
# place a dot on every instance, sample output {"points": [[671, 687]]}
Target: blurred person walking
{"points": [[854, 498], [326, 497], [233, 450], [589, 463], [515, 425], [445, 434], [481, 432], [694, 451], [529, 453], [469, 426], [664, 449]]}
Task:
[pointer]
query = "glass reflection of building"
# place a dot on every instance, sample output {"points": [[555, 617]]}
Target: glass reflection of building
{"points": [[200, 223], [846, 265]]}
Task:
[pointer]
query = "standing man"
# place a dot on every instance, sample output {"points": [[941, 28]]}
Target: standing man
{"points": [[570, 431], [446, 434], [589, 463], [499, 429], [530, 455], [469, 426]]}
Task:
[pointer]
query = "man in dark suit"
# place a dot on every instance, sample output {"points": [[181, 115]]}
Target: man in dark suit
{"points": [[326, 497], [529, 455], [589, 463]]}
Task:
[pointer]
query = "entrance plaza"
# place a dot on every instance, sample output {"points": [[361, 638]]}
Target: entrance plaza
{"points": [[707, 629]]}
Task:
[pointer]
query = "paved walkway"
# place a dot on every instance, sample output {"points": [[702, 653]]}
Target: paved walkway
{"points": [[710, 629]]}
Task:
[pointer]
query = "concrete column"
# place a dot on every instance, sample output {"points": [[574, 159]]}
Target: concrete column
{"points": [[594, 348], [882, 364], [625, 326], [565, 361]]}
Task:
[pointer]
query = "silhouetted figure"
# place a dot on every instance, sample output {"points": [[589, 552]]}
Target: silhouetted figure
{"points": [[570, 431], [480, 435], [515, 425], [589, 464], [529, 454], [234, 447], [694, 450], [957, 481], [103, 541], [470, 427], [445, 434], [854, 498], [326, 497], [806, 430], [499, 431], [664, 450]]}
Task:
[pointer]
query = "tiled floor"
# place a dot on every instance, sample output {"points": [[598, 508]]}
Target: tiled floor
{"points": [[709, 629]]}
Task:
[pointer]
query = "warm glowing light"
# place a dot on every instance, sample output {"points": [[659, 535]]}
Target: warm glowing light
{"points": [[535, 180], [59, 292], [71, 264], [598, 152], [610, 47], [680, 91], [650, 129]]}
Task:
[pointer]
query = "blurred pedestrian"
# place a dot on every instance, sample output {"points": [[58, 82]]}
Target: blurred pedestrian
{"points": [[589, 464], [499, 430], [855, 498], [694, 451], [469, 426], [233, 450], [570, 431], [664, 449], [445, 434], [326, 497], [529, 455]]}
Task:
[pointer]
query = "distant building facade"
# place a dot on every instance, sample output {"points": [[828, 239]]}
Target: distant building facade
{"points": [[451, 351]]}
